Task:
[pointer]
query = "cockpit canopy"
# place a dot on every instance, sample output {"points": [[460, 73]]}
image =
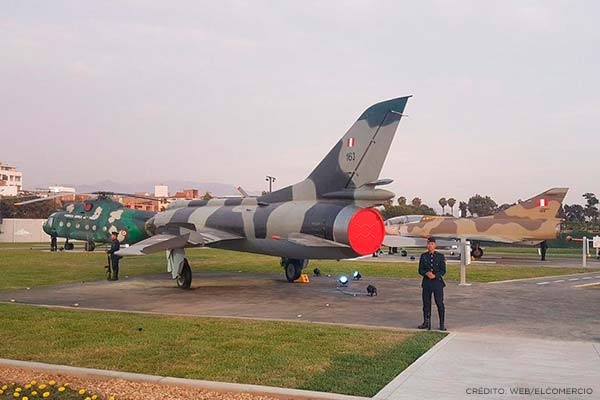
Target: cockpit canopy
{"points": [[404, 219]]}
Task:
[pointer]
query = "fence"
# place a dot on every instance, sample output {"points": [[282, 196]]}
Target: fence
{"points": [[13, 230]]}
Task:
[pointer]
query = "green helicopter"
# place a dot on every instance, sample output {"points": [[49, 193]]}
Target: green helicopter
{"points": [[93, 220]]}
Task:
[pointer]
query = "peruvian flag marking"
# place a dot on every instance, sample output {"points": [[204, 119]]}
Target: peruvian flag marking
{"points": [[351, 142], [543, 202]]}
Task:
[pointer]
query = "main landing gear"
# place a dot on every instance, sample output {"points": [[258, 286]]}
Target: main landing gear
{"points": [[477, 251], [184, 279], [293, 267], [90, 246], [69, 245]]}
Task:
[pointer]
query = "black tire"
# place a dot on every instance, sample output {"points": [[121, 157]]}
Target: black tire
{"points": [[477, 252], [404, 253], [293, 270], [184, 280], [90, 246], [69, 246]]}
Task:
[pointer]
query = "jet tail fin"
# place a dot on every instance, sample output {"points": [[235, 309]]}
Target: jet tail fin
{"points": [[355, 160], [358, 156], [544, 205]]}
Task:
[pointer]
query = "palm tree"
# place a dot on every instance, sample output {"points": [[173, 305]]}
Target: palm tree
{"points": [[443, 203], [401, 201], [451, 203], [416, 202], [463, 207]]}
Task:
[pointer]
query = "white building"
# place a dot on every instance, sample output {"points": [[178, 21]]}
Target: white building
{"points": [[161, 191], [11, 180], [61, 189]]}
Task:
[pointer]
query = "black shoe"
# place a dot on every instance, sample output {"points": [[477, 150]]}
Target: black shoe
{"points": [[442, 315], [426, 324]]}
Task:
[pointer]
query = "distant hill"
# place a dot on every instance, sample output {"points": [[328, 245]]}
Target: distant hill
{"points": [[215, 188]]}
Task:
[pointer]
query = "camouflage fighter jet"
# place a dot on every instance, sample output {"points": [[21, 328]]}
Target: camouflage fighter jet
{"points": [[528, 222], [328, 215]]}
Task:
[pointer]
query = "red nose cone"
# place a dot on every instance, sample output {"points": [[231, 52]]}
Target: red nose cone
{"points": [[366, 231]]}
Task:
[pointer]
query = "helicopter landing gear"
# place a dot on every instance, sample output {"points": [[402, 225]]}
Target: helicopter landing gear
{"points": [[69, 245], [90, 246]]}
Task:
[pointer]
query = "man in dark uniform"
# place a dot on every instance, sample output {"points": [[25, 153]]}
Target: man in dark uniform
{"points": [[114, 259], [53, 240], [543, 248], [432, 267]]}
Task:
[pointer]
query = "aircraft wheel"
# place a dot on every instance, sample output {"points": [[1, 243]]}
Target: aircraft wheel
{"points": [[477, 252], [404, 253], [90, 246], [293, 269], [69, 246], [184, 279]]}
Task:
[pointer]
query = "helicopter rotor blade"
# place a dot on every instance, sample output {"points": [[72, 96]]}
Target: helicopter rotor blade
{"points": [[137, 196], [56, 196]]}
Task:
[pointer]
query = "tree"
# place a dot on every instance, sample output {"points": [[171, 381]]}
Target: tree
{"points": [[416, 202], [591, 211], [481, 206], [207, 196], [390, 210], [43, 209], [574, 213], [451, 203], [401, 201], [462, 206], [443, 203]]}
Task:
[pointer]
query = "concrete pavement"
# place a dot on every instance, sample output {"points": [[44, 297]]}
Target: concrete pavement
{"points": [[475, 366]]}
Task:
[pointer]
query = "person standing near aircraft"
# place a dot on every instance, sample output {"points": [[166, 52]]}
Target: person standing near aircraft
{"points": [[543, 248], [432, 267], [53, 240], [114, 258]]}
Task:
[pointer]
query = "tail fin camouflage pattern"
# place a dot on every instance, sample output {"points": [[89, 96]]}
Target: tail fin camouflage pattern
{"points": [[544, 205], [355, 161]]}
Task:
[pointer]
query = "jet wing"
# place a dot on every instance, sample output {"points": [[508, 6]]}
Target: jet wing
{"points": [[163, 242]]}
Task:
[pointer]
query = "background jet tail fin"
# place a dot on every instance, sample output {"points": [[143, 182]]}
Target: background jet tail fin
{"points": [[544, 205]]}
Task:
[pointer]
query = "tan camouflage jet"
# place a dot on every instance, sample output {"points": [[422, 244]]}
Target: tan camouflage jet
{"points": [[328, 215], [528, 222]]}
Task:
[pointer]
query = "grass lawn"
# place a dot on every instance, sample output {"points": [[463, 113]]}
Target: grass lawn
{"points": [[28, 268], [297, 355]]}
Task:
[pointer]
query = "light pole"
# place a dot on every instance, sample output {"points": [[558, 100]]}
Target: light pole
{"points": [[270, 179]]}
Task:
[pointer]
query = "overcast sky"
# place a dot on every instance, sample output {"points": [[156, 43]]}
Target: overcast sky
{"points": [[506, 94]]}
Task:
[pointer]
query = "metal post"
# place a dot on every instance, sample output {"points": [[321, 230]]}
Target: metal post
{"points": [[270, 179], [584, 247], [464, 253]]}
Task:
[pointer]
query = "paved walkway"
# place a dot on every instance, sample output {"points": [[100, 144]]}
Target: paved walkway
{"points": [[475, 366], [556, 310]]}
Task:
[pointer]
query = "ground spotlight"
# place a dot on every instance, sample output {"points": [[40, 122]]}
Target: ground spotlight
{"points": [[343, 280], [371, 290], [412, 257], [356, 275], [317, 272]]}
